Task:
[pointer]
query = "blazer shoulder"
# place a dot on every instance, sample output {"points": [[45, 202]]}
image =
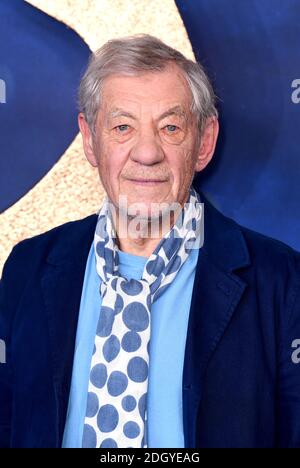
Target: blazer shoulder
{"points": [[263, 246], [273, 260], [63, 229], [26, 253]]}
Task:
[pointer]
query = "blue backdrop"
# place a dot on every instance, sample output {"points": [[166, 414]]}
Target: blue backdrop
{"points": [[251, 49], [41, 61]]}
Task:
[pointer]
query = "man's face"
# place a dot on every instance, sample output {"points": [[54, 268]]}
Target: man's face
{"points": [[146, 145]]}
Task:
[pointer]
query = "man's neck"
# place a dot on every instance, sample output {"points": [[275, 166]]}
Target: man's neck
{"points": [[141, 247], [141, 238]]}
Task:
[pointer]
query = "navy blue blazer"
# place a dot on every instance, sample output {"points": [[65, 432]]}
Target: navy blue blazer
{"points": [[241, 382]]}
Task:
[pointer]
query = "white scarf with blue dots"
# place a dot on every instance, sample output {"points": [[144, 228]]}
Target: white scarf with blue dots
{"points": [[117, 392]]}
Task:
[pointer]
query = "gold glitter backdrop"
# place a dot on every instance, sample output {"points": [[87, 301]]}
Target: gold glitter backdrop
{"points": [[71, 189]]}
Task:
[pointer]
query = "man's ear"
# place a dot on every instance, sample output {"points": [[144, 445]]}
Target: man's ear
{"points": [[87, 140], [207, 143]]}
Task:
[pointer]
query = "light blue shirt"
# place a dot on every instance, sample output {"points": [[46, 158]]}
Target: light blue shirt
{"points": [[169, 322]]}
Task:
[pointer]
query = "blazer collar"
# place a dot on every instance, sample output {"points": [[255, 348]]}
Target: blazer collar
{"points": [[216, 293]]}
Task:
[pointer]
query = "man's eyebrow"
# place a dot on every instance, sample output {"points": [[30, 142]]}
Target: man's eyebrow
{"points": [[175, 110], [121, 113]]}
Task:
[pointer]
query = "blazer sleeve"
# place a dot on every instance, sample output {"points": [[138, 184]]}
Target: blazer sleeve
{"points": [[10, 287], [289, 364]]}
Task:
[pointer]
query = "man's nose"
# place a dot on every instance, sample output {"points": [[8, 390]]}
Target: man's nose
{"points": [[147, 149]]}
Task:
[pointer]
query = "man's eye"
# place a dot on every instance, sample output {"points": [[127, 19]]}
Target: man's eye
{"points": [[171, 128], [122, 128]]}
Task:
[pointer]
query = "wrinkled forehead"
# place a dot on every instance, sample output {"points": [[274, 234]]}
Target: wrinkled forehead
{"points": [[166, 92]]}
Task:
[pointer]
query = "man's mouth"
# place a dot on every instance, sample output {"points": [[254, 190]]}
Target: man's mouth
{"points": [[147, 181]]}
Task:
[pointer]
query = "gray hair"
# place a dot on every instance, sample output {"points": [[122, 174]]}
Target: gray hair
{"points": [[137, 54]]}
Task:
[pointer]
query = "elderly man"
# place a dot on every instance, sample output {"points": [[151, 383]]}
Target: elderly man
{"points": [[120, 335]]}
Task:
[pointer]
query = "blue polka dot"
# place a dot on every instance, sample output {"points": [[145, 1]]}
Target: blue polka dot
{"points": [[116, 255], [117, 383], [119, 304], [109, 443], [175, 264], [171, 246], [89, 438], [136, 317], [106, 320], [107, 418], [131, 287], [114, 283], [156, 283], [137, 369], [100, 248], [149, 301], [131, 429], [109, 260], [155, 266], [98, 375], [94, 349], [92, 405], [111, 348], [142, 405], [191, 225], [128, 403], [131, 341]]}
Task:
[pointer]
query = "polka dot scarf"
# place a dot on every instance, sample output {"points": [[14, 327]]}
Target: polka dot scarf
{"points": [[117, 392]]}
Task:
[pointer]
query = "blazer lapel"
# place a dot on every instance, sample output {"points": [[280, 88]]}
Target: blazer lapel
{"points": [[216, 294], [61, 284]]}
